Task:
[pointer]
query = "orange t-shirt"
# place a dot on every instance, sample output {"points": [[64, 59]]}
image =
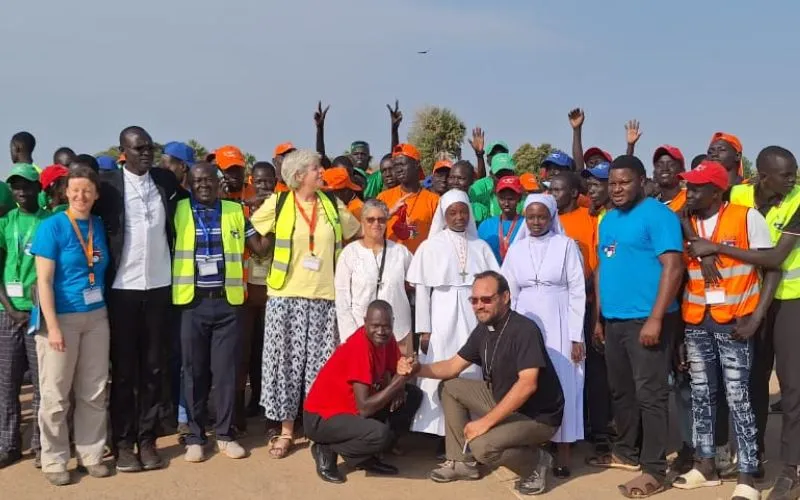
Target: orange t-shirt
{"points": [[247, 192], [281, 187], [676, 204], [584, 201], [420, 209], [582, 227], [355, 207]]}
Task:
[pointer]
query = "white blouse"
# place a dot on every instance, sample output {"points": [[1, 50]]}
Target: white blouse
{"points": [[356, 280]]}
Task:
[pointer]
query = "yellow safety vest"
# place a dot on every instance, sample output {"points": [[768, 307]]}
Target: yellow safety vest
{"points": [[777, 218], [233, 242], [284, 230]]}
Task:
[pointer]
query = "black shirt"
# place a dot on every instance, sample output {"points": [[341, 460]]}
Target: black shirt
{"points": [[520, 347]]}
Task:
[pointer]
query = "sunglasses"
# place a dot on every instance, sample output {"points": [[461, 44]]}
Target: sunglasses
{"points": [[483, 300], [373, 220]]}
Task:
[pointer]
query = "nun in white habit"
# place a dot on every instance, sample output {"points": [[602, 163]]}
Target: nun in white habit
{"points": [[442, 271], [544, 270]]}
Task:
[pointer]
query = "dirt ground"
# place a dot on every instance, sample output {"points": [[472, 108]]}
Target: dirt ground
{"points": [[260, 477]]}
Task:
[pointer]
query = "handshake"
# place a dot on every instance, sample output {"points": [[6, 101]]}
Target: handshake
{"points": [[408, 366]]}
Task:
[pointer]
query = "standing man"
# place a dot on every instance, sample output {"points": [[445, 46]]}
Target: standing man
{"points": [[597, 182], [281, 150], [441, 171], [637, 320], [668, 164], [63, 156], [338, 181], [727, 150], [178, 158], [136, 204], [231, 161], [21, 148], [499, 231]]}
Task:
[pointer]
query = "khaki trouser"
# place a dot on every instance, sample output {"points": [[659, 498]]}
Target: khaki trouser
{"points": [[512, 441], [83, 369]]}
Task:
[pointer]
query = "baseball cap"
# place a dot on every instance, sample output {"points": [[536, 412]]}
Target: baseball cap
{"points": [[672, 152], [338, 178], [502, 161], [404, 149], [708, 172], [24, 170], [106, 162], [729, 138], [180, 151], [600, 171], [559, 159], [442, 164], [52, 173], [497, 144], [529, 182], [511, 182], [283, 148], [359, 145], [594, 150], [229, 156]]}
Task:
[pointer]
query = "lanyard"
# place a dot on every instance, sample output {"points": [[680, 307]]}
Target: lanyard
{"points": [[380, 270], [204, 229], [88, 248], [312, 222], [23, 243], [701, 229], [505, 239]]}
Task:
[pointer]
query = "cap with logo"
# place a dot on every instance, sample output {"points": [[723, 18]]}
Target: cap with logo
{"points": [[708, 172], [600, 171], [559, 160], [511, 182], [229, 156]]}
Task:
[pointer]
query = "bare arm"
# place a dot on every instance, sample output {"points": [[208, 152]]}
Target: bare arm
{"points": [[576, 118], [45, 270], [395, 118], [772, 277], [3, 296], [319, 121], [669, 283], [444, 370], [478, 142], [520, 392], [770, 258], [261, 245], [632, 135], [369, 405]]}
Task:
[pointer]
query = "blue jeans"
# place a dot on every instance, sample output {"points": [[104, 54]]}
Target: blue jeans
{"points": [[708, 345], [681, 388]]}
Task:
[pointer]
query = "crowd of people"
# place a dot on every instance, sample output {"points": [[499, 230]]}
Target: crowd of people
{"points": [[509, 313]]}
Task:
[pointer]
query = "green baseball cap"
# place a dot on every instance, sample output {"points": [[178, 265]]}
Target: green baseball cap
{"points": [[502, 161], [359, 145], [24, 170], [497, 144]]}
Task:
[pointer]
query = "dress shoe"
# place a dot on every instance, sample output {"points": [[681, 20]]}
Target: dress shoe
{"points": [[149, 457], [325, 460], [375, 466], [127, 461], [9, 457]]}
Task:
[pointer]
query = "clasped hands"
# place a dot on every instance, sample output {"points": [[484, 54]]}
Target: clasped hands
{"points": [[407, 366]]}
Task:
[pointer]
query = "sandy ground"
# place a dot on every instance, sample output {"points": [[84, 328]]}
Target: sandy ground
{"points": [[260, 477]]}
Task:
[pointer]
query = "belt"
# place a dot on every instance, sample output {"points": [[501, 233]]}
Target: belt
{"points": [[209, 293]]}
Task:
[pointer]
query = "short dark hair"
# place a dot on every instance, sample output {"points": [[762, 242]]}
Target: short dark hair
{"points": [[772, 153], [570, 177], [387, 156], [84, 160], [697, 160], [263, 165], [464, 163], [343, 161], [25, 140], [133, 129], [502, 282], [62, 150], [381, 305], [629, 162], [84, 172]]}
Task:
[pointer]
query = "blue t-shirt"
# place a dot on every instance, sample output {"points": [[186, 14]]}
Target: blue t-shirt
{"points": [[629, 245], [487, 231], [55, 239]]}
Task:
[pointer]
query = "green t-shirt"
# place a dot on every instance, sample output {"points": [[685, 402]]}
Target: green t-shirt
{"points": [[59, 208], [17, 229], [479, 212], [44, 200], [6, 199], [374, 185], [482, 191]]}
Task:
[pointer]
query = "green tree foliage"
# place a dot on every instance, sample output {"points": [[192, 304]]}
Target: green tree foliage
{"points": [[747, 167], [435, 131], [529, 158]]}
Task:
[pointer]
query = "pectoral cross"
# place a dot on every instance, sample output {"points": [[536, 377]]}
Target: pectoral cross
{"points": [[463, 275]]}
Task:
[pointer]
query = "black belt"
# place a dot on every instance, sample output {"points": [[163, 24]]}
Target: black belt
{"points": [[209, 293]]}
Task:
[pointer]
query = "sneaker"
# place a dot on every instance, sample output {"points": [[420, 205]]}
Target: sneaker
{"points": [[58, 478], [149, 457], [9, 457], [451, 470], [98, 470], [536, 482], [194, 453], [231, 449], [127, 461]]}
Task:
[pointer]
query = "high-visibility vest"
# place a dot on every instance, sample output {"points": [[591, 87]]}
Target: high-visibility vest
{"points": [[284, 230], [233, 243], [777, 218], [739, 279]]}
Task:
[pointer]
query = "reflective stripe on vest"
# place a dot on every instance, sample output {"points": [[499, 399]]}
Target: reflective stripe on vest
{"points": [[284, 232], [777, 218], [233, 243], [739, 280]]}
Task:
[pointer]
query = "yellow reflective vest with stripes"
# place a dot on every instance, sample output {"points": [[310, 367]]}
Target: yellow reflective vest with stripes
{"points": [[233, 242]]}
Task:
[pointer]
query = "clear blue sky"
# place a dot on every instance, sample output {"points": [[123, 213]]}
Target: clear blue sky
{"points": [[250, 72]]}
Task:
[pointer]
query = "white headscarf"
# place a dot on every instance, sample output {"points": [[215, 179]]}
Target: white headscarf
{"points": [[439, 222], [548, 201]]}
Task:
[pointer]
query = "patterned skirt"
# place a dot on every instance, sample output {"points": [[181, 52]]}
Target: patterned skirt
{"points": [[299, 337]]}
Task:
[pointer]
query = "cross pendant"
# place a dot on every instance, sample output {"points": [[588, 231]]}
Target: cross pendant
{"points": [[464, 275]]}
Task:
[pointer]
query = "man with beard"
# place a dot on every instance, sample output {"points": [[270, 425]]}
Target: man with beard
{"points": [[668, 164]]}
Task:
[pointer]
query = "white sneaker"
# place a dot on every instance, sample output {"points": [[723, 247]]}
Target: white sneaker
{"points": [[194, 453], [231, 449]]}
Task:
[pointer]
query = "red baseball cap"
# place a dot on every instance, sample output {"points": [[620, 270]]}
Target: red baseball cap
{"points": [[594, 150], [51, 174], [672, 152], [511, 182], [708, 172]]}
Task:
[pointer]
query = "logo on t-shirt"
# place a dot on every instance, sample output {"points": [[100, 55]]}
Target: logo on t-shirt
{"points": [[96, 256], [235, 234], [610, 250]]}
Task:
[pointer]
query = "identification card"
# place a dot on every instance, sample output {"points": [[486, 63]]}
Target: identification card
{"points": [[14, 289], [205, 268], [259, 271], [715, 296], [312, 263], [92, 295]]}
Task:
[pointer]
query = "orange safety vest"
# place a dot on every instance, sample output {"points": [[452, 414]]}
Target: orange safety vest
{"points": [[739, 279]]}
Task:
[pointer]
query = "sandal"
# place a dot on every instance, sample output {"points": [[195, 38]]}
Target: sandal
{"points": [[276, 451], [641, 487], [694, 479], [745, 492], [610, 461]]}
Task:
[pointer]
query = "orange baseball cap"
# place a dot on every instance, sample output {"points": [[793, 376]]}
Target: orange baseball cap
{"points": [[229, 156], [408, 150], [529, 182], [338, 178], [283, 148], [442, 164]]}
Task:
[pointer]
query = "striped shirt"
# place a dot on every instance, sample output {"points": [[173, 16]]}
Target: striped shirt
{"points": [[208, 242]]}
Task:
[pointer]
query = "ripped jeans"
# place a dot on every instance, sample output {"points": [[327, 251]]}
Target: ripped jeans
{"points": [[708, 346]]}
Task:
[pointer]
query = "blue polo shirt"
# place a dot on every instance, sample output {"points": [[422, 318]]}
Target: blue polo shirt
{"points": [[488, 232], [208, 242], [629, 245]]}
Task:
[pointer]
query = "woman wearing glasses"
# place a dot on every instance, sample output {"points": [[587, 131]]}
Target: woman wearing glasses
{"points": [[373, 268]]}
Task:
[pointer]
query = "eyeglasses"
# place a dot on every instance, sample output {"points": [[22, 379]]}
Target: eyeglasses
{"points": [[483, 300], [373, 220]]}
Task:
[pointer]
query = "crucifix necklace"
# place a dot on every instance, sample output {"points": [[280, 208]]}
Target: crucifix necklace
{"points": [[534, 265], [460, 242], [490, 364]]}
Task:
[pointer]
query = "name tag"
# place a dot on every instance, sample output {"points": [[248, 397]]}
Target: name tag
{"points": [[205, 268], [92, 296], [14, 289], [715, 296], [312, 263], [259, 271]]}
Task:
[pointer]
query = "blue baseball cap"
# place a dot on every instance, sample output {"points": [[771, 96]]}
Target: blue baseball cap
{"points": [[106, 163], [559, 159], [427, 182], [180, 151], [600, 171]]}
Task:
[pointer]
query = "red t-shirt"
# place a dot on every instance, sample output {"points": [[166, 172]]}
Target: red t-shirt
{"points": [[357, 360]]}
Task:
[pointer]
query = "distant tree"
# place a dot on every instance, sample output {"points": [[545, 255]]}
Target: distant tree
{"points": [[529, 158], [113, 152], [200, 151], [747, 168], [434, 131]]}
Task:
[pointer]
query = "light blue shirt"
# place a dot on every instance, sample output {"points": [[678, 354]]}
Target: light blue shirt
{"points": [[487, 231]]}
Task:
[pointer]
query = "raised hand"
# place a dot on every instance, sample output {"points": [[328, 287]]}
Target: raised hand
{"points": [[632, 132], [395, 114], [320, 114], [576, 117], [478, 140]]}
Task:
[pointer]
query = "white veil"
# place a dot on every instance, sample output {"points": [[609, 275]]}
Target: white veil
{"points": [[548, 201], [439, 223]]}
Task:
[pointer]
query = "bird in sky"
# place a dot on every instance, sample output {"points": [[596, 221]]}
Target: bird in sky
{"points": [[423, 51]]}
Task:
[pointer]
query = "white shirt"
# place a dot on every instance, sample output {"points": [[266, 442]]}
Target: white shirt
{"points": [[356, 280], [145, 263], [757, 229]]}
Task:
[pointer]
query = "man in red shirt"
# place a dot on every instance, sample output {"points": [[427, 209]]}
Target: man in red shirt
{"points": [[358, 403]]}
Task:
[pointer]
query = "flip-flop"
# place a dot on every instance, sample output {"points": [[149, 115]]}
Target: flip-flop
{"points": [[694, 479], [745, 492], [610, 461], [641, 487]]}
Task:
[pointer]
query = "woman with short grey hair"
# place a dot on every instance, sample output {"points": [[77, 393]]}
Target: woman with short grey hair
{"points": [[300, 332]]}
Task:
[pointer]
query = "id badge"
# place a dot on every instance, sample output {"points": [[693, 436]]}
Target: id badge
{"points": [[92, 296], [715, 296], [206, 268], [312, 263], [259, 271], [14, 289]]}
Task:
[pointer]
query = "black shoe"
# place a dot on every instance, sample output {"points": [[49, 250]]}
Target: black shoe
{"points": [[37, 459], [562, 472], [375, 466], [127, 461], [325, 460], [149, 457], [9, 457], [441, 450]]}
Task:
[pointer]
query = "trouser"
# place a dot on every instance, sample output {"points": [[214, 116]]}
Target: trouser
{"points": [[682, 390], [83, 369], [596, 391], [17, 354], [358, 439], [638, 378], [176, 371], [710, 349], [140, 347], [252, 350], [515, 438], [210, 349]]}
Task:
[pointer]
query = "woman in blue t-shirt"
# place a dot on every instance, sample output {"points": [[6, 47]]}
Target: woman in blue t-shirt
{"points": [[73, 343]]}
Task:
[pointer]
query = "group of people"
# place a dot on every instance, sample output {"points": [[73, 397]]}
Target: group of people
{"points": [[512, 315]]}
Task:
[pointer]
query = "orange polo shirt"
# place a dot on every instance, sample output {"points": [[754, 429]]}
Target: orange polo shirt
{"points": [[419, 213], [582, 227], [676, 204]]}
